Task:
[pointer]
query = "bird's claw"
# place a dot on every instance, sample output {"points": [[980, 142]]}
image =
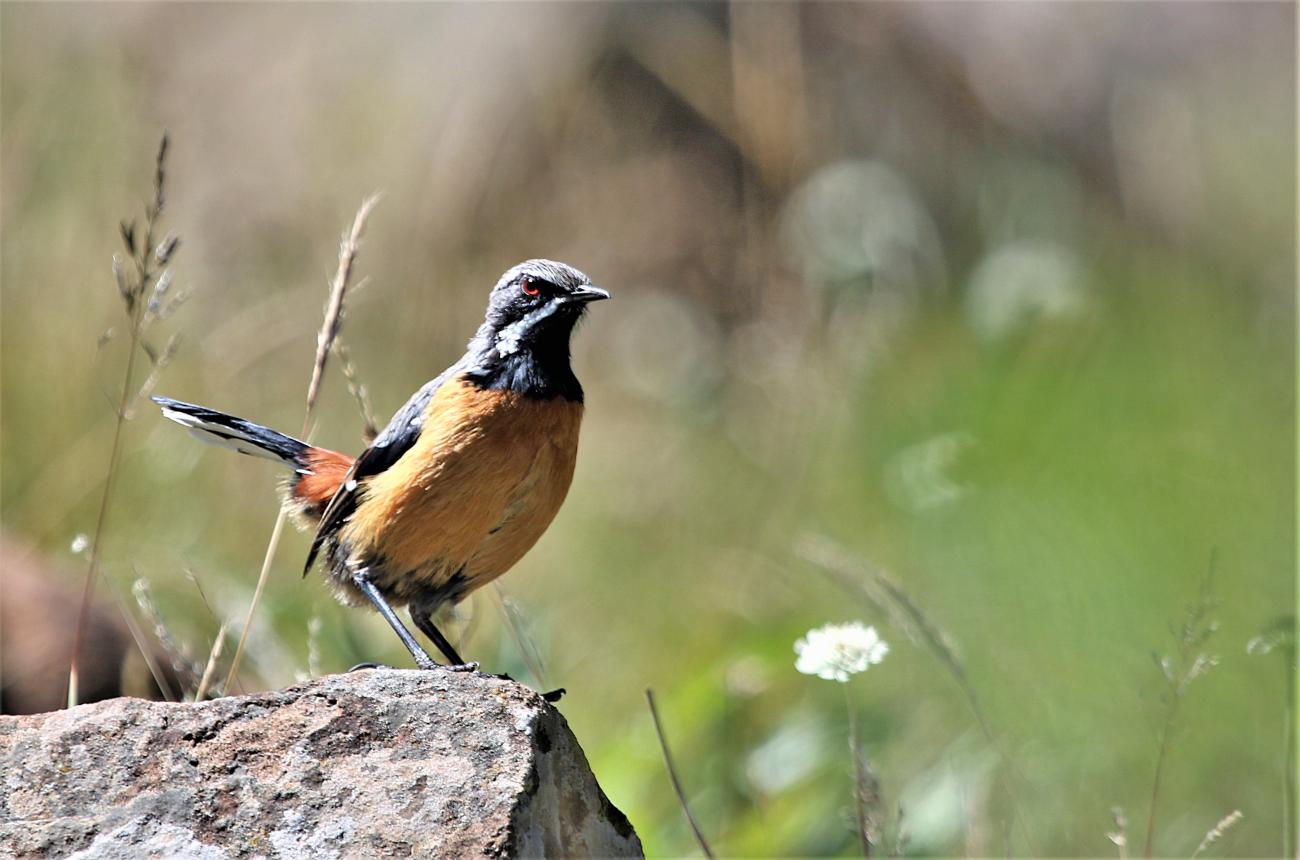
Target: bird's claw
{"points": [[423, 663], [430, 663]]}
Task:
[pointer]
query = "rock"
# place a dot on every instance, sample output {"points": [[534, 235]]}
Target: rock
{"points": [[379, 763]]}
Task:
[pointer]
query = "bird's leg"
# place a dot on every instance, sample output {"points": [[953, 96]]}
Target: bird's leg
{"points": [[423, 617], [361, 578]]}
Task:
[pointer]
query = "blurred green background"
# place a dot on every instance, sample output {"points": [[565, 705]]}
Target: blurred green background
{"points": [[999, 298]]}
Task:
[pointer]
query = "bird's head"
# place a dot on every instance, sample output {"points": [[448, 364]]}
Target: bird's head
{"points": [[535, 305]]}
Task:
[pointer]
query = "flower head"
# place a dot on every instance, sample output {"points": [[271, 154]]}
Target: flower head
{"points": [[836, 651]]}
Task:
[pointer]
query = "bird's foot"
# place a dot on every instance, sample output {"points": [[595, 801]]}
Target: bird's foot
{"points": [[430, 663], [424, 661]]}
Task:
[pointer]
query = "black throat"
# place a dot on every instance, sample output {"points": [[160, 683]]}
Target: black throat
{"points": [[536, 366]]}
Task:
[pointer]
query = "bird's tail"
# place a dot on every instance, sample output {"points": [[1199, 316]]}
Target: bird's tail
{"points": [[218, 428], [317, 471]]}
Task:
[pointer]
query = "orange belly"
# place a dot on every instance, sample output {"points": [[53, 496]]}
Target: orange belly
{"points": [[470, 498]]}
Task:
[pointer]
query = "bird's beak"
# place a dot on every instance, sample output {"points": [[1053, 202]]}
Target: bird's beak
{"points": [[582, 295]]}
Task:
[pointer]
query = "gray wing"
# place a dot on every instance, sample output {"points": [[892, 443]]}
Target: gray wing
{"points": [[403, 428]]}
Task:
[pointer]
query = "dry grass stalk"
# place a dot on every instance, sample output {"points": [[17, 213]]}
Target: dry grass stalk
{"points": [[369, 429], [180, 664], [329, 329], [144, 292], [518, 632], [161, 362], [232, 674], [210, 669], [672, 775], [223, 625], [1119, 836], [203, 596], [348, 248], [142, 645], [1216, 832]]}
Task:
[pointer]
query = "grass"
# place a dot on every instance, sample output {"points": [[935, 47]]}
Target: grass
{"points": [[144, 292], [325, 340], [1189, 665], [883, 597], [674, 778]]}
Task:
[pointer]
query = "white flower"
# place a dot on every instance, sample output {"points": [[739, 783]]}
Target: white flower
{"points": [[79, 544], [836, 651]]}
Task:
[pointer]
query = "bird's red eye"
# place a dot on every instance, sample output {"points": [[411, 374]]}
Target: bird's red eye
{"points": [[530, 287]]}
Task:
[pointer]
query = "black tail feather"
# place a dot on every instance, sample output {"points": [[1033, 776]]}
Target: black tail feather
{"points": [[219, 428]]}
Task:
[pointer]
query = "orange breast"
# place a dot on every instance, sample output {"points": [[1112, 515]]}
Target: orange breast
{"points": [[480, 486]]}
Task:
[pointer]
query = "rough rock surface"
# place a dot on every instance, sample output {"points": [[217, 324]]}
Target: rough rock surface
{"points": [[380, 763]]}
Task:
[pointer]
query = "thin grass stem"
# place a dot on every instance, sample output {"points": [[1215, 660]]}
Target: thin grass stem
{"points": [[142, 644], [268, 558], [1162, 747], [329, 330], [672, 775], [135, 295], [859, 777], [1191, 664], [210, 669], [369, 428], [515, 625], [101, 522]]}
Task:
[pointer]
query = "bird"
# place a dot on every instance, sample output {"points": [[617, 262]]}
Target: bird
{"points": [[463, 480]]}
